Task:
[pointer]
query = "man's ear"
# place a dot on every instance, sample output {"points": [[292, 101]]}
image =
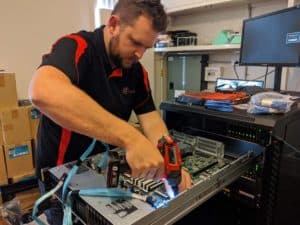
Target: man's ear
{"points": [[114, 25]]}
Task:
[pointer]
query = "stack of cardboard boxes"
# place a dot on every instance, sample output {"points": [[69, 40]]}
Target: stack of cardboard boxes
{"points": [[18, 127]]}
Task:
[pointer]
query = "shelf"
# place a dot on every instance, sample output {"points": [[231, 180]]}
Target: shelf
{"points": [[199, 48], [8, 191], [176, 7]]}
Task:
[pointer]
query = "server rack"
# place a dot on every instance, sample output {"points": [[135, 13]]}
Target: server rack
{"points": [[267, 194]]}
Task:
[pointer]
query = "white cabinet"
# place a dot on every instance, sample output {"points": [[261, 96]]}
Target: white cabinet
{"points": [[183, 6], [178, 5], [199, 48]]}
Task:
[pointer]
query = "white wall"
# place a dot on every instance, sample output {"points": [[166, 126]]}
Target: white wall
{"points": [[207, 23], [29, 28]]}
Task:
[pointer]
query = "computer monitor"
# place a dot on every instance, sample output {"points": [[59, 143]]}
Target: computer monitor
{"points": [[272, 39]]}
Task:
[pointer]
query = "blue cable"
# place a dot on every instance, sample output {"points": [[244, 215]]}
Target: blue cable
{"points": [[67, 220], [224, 106], [72, 172], [67, 200], [103, 161], [106, 192], [89, 150], [60, 184], [75, 168], [43, 198]]}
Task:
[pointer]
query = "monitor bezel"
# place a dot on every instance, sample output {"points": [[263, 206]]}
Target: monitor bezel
{"points": [[297, 7]]}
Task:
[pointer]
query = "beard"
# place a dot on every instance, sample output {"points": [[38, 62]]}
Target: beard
{"points": [[114, 54]]}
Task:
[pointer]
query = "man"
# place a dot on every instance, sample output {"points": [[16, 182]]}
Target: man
{"points": [[89, 83]]}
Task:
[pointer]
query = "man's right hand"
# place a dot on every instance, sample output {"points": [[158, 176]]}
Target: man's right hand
{"points": [[144, 159]]}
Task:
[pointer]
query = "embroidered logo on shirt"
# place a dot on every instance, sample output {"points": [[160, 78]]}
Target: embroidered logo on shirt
{"points": [[127, 91]]}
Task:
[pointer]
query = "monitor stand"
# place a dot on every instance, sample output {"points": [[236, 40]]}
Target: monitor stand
{"points": [[277, 78]]}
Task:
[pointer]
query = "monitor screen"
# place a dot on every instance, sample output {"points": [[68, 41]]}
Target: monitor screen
{"points": [[272, 39], [234, 85]]}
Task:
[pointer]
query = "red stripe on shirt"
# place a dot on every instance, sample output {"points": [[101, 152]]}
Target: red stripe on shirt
{"points": [[116, 73], [146, 82], [81, 46], [63, 145]]}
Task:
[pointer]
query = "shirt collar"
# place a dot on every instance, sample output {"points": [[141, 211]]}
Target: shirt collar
{"points": [[101, 50]]}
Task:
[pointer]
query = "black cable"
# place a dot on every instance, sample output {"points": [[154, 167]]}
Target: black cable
{"points": [[257, 78], [265, 75], [267, 68], [234, 68], [286, 143]]}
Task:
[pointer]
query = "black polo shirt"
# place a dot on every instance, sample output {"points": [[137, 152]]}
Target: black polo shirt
{"points": [[83, 58]]}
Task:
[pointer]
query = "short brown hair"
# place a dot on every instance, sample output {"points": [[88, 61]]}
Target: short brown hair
{"points": [[130, 10]]}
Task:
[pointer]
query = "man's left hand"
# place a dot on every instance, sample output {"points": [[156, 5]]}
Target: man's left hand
{"points": [[186, 180]]}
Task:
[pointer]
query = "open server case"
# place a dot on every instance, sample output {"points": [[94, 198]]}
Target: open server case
{"points": [[234, 157], [210, 168]]}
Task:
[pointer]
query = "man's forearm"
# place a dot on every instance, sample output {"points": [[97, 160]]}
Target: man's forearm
{"points": [[75, 110]]}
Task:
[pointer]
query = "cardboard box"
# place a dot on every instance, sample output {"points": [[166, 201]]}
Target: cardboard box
{"points": [[3, 222], [15, 125], [27, 199], [1, 136], [34, 120], [3, 174], [8, 91], [19, 160]]}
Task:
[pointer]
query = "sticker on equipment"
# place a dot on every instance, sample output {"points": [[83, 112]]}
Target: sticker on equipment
{"points": [[122, 207]]}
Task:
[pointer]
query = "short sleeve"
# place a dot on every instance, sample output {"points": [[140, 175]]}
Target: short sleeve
{"points": [[66, 55], [143, 101]]}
